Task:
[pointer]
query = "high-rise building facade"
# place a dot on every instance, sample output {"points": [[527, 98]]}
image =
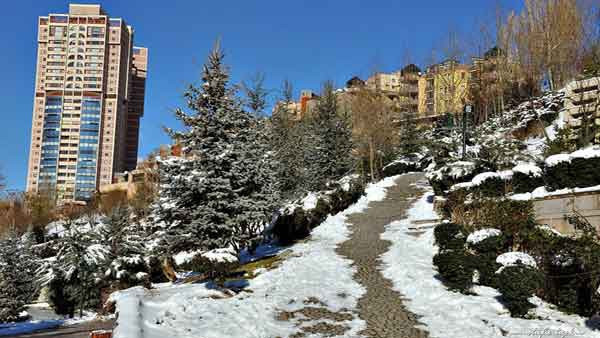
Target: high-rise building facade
{"points": [[89, 98]]}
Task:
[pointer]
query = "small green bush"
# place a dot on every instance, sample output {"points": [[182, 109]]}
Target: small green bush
{"points": [[297, 224], [210, 268], [494, 244], [456, 268], [558, 176], [485, 264], [450, 236], [492, 187], [522, 183], [486, 252], [585, 171], [518, 283]]}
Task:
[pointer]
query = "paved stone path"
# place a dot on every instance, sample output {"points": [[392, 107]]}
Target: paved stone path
{"points": [[381, 307]]}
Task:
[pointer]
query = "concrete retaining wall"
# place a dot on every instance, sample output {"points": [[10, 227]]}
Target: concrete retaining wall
{"points": [[553, 210]]}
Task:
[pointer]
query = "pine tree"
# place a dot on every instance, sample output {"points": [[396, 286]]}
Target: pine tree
{"points": [[12, 299], [330, 147], [125, 245], [73, 276], [409, 135], [220, 195], [287, 143]]}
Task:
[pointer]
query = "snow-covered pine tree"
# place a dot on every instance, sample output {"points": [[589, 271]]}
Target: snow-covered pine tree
{"points": [[11, 276], [220, 194], [330, 148], [287, 143], [125, 244], [74, 274]]}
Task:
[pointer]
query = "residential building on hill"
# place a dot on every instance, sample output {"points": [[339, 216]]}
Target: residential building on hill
{"points": [[89, 98]]}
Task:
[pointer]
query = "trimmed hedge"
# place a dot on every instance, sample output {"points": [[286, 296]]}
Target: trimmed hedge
{"points": [[522, 183], [518, 283], [570, 265], [580, 173], [491, 187], [210, 268], [296, 225], [456, 268], [450, 236], [486, 252]]}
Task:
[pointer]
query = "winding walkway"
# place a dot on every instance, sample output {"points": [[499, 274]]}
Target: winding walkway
{"points": [[381, 307]]}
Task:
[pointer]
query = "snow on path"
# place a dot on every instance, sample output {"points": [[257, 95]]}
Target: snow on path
{"points": [[447, 314], [312, 270]]}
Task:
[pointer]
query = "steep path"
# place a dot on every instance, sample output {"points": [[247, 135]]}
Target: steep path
{"points": [[381, 307]]}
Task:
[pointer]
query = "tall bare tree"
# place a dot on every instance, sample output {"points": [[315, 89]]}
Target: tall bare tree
{"points": [[373, 132]]}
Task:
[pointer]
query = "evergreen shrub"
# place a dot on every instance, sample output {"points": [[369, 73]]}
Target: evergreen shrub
{"points": [[491, 187], [522, 183], [456, 268], [517, 283], [486, 252], [450, 236], [298, 223]]}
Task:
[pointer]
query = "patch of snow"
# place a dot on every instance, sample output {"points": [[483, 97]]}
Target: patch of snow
{"points": [[408, 264], [222, 255], [482, 234], [310, 201], [542, 192], [556, 159], [184, 257], [514, 258], [587, 153], [480, 178], [528, 169], [200, 310]]}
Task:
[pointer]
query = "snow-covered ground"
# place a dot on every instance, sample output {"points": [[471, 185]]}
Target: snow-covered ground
{"points": [[312, 269], [408, 264]]}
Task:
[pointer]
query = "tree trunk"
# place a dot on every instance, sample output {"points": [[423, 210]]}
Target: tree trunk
{"points": [[372, 159]]}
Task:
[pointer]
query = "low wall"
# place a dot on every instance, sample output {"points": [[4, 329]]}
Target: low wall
{"points": [[554, 209]]}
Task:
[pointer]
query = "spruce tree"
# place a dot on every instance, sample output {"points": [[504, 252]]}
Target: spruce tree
{"points": [[125, 245], [73, 276], [409, 135], [12, 299], [330, 146], [287, 143], [221, 193]]}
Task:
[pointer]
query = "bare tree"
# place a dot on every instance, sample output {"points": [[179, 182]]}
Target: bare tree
{"points": [[256, 93], [373, 132]]}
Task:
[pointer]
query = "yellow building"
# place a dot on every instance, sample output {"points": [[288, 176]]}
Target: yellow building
{"points": [[443, 89]]}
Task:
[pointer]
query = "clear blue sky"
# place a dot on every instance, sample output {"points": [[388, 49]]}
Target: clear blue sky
{"points": [[304, 41]]}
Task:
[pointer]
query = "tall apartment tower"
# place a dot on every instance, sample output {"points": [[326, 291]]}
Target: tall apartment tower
{"points": [[89, 98]]}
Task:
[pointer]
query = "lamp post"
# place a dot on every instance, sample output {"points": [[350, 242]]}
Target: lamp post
{"points": [[466, 110]]}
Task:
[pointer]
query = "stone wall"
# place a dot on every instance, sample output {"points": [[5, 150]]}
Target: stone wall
{"points": [[554, 209]]}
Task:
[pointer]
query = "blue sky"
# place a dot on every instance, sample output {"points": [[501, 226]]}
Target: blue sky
{"points": [[304, 41]]}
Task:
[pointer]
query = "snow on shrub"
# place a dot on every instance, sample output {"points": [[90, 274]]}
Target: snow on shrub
{"points": [[214, 264], [404, 164], [482, 234], [487, 244], [526, 177], [577, 169], [298, 218], [515, 258], [449, 174], [489, 184], [517, 283]]}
